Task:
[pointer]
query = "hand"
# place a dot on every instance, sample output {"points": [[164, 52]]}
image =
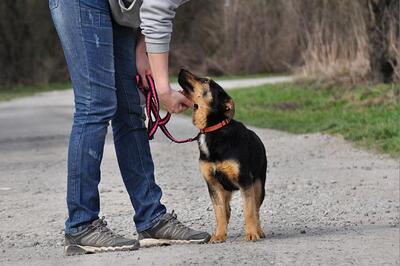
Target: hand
{"points": [[173, 101], [142, 61]]}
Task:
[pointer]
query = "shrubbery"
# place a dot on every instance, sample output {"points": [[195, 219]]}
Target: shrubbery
{"points": [[337, 40]]}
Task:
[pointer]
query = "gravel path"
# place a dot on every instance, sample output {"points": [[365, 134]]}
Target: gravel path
{"points": [[326, 202]]}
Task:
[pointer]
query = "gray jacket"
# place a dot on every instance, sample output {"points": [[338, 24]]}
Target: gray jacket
{"points": [[156, 18]]}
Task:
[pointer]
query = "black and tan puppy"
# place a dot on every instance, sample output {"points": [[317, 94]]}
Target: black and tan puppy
{"points": [[232, 157]]}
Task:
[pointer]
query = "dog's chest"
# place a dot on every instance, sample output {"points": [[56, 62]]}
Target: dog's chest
{"points": [[203, 145]]}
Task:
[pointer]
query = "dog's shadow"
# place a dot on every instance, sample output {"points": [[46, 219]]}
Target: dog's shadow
{"points": [[280, 233]]}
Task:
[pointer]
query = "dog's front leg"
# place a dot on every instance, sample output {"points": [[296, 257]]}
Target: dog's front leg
{"points": [[220, 200]]}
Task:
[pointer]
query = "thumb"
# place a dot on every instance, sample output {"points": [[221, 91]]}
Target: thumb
{"points": [[182, 108], [186, 101]]}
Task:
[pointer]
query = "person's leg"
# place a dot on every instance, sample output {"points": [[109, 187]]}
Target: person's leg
{"points": [[153, 224], [130, 135], [85, 31]]}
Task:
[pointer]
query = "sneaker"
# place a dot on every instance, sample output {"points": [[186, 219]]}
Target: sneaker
{"points": [[169, 230], [97, 237]]}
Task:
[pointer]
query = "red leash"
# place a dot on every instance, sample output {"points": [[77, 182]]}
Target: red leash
{"points": [[153, 111]]}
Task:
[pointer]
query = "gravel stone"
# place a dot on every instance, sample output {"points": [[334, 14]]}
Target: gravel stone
{"points": [[307, 191]]}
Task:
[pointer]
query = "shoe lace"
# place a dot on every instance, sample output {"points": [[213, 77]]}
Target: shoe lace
{"points": [[101, 226], [173, 220]]}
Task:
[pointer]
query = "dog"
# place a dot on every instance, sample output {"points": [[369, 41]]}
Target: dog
{"points": [[232, 157]]}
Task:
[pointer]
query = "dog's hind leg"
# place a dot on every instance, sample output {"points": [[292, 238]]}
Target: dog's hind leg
{"points": [[250, 213], [228, 197], [220, 199], [259, 192]]}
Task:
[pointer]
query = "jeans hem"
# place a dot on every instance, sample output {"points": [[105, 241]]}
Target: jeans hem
{"points": [[151, 223], [76, 230]]}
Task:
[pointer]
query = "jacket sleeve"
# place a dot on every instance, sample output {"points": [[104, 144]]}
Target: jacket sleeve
{"points": [[156, 23]]}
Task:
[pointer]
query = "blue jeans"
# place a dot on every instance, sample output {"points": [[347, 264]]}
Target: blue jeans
{"points": [[101, 61]]}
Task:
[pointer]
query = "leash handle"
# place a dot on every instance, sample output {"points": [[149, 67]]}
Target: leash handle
{"points": [[153, 111]]}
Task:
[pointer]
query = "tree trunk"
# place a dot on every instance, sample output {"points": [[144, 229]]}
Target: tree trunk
{"points": [[381, 61]]}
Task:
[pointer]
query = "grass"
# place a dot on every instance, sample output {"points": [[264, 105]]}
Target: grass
{"points": [[368, 116], [7, 94]]}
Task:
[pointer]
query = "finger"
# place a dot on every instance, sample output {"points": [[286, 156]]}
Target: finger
{"points": [[183, 100], [187, 102], [182, 108], [176, 109], [170, 109], [148, 71], [144, 80]]}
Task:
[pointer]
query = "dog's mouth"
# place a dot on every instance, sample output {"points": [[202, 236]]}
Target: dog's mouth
{"points": [[185, 79]]}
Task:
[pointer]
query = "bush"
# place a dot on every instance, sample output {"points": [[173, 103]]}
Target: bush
{"points": [[330, 40], [29, 49], [336, 40]]}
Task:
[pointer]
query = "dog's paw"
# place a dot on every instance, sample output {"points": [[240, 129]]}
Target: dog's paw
{"points": [[260, 232], [253, 236], [217, 238]]}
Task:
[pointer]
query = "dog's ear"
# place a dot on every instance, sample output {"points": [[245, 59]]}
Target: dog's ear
{"points": [[229, 109]]}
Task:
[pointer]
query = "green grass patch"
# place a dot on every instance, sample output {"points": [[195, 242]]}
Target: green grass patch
{"points": [[7, 94], [368, 116]]}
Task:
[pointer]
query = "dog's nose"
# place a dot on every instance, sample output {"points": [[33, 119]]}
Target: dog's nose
{"points": [[183, 80], [183, 72]]}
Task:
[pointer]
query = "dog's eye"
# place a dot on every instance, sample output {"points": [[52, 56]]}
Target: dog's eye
{"points": [[195, 106], [204, 81]]}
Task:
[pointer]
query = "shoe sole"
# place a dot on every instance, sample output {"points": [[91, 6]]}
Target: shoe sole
{"points": [[151, 242], [73, 250]]}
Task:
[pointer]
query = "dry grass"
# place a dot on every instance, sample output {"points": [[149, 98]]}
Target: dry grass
{"points": [[237, 38], [394, 43], [336, 43], [331, 61], [339, 41]]}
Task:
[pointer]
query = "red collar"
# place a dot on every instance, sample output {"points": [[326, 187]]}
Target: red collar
{"points": [[216, 126]]}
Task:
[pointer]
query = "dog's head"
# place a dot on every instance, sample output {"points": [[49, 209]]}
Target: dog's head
{"points": [[211, 104]]}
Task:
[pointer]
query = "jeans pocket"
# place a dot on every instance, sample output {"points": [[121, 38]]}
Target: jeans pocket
{"points": [[53, 4]]}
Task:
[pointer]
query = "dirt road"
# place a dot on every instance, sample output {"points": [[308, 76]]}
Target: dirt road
{"points": [[326, 202]]}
